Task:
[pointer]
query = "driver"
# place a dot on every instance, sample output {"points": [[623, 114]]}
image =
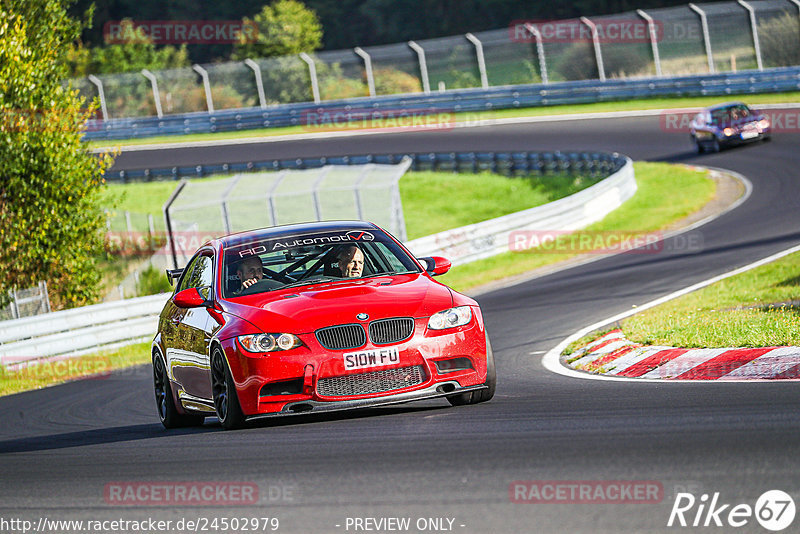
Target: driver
{"points": [[351, 261], [249, 271]]}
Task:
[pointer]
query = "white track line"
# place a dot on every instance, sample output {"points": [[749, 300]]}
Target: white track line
{"points": [[551, 360]]}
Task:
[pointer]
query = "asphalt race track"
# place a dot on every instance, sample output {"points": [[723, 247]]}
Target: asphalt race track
{"points": [[61, 447]]}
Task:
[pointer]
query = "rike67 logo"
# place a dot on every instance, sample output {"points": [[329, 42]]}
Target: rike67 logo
{"points": [[774, 510]]}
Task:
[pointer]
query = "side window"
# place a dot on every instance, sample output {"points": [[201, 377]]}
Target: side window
{"points": [[187, 274], [199, 275], [394, 263]]}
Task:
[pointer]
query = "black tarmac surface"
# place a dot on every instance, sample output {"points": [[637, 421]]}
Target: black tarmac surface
{"points": [[60, 447]]}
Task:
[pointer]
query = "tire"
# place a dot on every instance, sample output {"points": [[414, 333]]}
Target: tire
{"points": [[226, 401], [700, 148], [483, 395], [713, 146], [165, 403]]}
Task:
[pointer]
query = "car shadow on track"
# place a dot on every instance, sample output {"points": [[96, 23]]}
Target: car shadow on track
{"points": [[132, 433]]}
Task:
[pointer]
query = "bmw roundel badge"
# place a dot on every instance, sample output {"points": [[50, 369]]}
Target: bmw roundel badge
{"points": [[362, 316]]}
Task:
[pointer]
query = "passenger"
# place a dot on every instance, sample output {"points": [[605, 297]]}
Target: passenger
{"points": [[351, 261]]}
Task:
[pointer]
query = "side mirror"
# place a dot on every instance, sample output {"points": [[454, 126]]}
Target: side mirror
{"points": [[436, 265], [189, 298]]}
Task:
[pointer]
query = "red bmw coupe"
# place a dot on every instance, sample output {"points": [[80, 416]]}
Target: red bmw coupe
{"points": [[312, 318]]}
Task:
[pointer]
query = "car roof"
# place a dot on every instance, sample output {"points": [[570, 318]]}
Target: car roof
{"points": [[295, 229], [725, 105]]}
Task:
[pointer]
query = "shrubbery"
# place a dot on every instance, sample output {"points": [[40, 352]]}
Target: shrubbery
{"points": [[51, 226]]}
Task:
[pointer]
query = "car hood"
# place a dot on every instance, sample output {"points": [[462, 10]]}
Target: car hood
{"points": [[303, 310]]}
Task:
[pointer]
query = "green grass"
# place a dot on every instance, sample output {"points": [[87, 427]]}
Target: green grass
{"points": [[687, 190], [438, 201], [758, 308], [597, 107], [97, 365]]}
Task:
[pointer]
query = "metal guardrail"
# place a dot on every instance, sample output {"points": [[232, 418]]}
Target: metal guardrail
{"points": [[82, 330], [489, 238], [507, 163], [79, 330], [459, 100]]}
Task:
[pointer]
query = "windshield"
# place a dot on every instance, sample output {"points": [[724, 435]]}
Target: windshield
{"points": [[311, 258]]}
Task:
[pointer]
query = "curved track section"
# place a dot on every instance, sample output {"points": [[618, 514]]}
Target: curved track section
{"points": [[61, 447]]}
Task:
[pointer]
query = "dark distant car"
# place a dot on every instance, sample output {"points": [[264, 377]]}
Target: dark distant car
{"points": [[311, 318], [728, 124]]}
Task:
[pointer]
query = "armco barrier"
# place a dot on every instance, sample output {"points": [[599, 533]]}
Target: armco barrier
{"points": [[80, 330], [507, 163], [83, 330], [458, 100], [488, 238]]}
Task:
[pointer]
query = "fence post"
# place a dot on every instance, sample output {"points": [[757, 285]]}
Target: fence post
{"points": [[423, 66], [537, 35], [312, 72], [128, 224], [481, 60], [270, 197], [367, 69], [262, 100], [100, 93], [151, 227], [45, 296], [154, 84], [315, 190], [598, 54], [357, 189], [206, 85], [226, 219], [651, 26], [168, 222], [706, 37], [14, 306], [754, 29]]}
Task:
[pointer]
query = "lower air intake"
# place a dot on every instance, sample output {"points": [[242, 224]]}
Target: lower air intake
{"points": [[372, 382]]}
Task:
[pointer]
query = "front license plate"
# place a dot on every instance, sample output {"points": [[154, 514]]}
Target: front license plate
{"points": [[371, 358], [749, 134]]}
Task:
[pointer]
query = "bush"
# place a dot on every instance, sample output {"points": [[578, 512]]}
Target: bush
{"points": [[392, 81], [51, 225], [152, 281], [778, 40]]}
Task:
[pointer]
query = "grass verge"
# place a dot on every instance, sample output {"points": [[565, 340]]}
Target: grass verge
{"points": [[758, 308], [597, 107], [688, 191], [96, 365]]}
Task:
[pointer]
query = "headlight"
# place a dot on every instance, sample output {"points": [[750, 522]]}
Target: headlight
{"points": [[728, 132], [763, 124], [269, 342], [450, 318]]}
